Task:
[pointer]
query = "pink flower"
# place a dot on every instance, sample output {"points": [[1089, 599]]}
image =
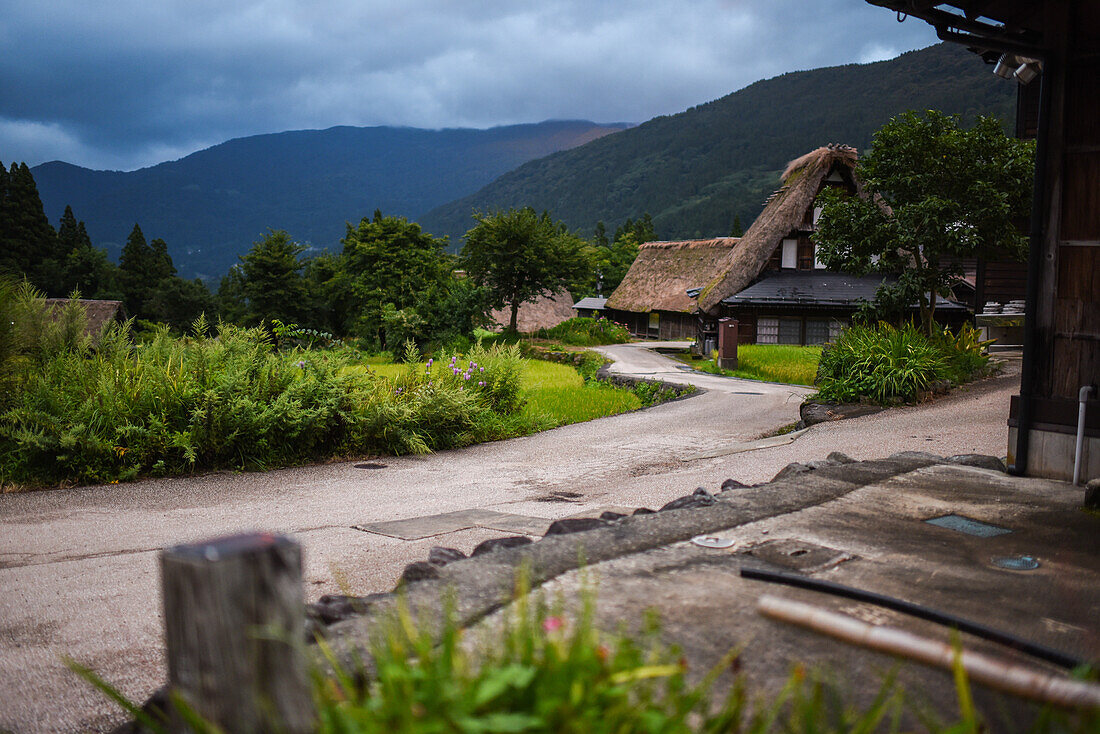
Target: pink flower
{"points": [[552, 624]]}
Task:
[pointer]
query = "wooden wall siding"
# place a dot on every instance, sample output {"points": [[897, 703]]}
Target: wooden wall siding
{"points": [[1081, 194], [805, 253], [746, 329], [677, 325], [1004, 281]]}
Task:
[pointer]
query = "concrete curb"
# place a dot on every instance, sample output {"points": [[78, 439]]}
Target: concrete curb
{"points": [[473, 588]]}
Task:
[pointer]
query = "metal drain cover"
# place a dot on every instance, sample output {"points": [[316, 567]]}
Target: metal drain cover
{"points": [[1016, 563], [712, 541], [968, 525]]}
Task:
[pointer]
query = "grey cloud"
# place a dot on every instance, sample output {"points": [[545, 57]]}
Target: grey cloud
{"points": [[119, 84]]}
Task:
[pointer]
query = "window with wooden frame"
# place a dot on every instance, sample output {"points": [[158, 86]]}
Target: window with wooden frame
{"points": [[790, 254], [790, 331], [767, 330]]}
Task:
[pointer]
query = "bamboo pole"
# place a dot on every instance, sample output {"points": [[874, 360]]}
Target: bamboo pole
{"points": [[1013, 678]]}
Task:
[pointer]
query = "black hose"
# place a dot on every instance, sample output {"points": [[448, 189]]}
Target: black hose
{"points": [[1042, 652]]}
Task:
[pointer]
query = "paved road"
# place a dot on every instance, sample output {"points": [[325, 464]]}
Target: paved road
{"points": [[78, 566]]}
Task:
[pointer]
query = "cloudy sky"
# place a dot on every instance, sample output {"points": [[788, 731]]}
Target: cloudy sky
{"points": [[128, 83]]}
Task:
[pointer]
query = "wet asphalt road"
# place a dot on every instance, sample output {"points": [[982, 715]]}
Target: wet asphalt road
{"points": [[78, 567]]}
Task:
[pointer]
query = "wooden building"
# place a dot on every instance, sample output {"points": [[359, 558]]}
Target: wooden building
{"points": [[772, 282], [652, 301], [1049, 47]]}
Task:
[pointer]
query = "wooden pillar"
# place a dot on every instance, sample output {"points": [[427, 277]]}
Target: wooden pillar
{"points": [[727, 344], [233, 617]]}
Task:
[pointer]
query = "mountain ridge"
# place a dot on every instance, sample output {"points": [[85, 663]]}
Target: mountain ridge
{"points": [[213, 203], [698, 170]]}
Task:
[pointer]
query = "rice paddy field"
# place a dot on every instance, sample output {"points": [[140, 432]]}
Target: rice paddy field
{"points": [[792, 365], [555, 394]]}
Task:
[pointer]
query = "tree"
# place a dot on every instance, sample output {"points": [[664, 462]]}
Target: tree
{"points": [[84, 267], [935, 193], [271, 282], [28, 242], [519, 255], [737, 230], [137, 266], [392, 277]]}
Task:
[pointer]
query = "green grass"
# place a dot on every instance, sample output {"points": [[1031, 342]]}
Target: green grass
{"points": [[554, 394], [792, 365], [558, 393]]}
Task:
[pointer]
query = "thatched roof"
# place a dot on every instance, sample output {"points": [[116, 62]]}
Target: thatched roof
{"points": [[99, 313], [783, 213], [664, 271], [545, 313]]}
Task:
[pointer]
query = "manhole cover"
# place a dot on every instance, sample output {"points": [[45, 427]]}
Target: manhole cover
{"points": [[967, 525], [371, 465], [712, 541], [1016, 563]]}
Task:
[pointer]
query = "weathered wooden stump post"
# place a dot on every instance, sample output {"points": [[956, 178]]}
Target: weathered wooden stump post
{"points": [[233, 618]]}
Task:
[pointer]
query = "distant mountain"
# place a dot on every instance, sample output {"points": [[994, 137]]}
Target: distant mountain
{"points": [[211, 205], [698, 170]]}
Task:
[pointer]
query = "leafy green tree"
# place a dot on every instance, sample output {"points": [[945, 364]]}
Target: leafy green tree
{"points": [[178, 302], [935, 193], [642, 229], [389, 260], [271, 280], [519, 255]]}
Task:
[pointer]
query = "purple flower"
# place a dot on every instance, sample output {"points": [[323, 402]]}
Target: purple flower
{"points": [[482, 369], [466, 376], [481, 384], [301, 364]]}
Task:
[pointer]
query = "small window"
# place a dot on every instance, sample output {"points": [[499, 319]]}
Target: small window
{"points": [[790, 254], [835, 327], [817, 331], [654, 320], [767, 331], [790, 331]]}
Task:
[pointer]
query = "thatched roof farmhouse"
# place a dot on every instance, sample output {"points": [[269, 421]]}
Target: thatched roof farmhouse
{"points": [[770, 280], [788, 214], [653, 299], [99, 313]]}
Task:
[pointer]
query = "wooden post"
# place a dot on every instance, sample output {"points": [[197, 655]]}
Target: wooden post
{"points": [[233, 618], [727, 344]]}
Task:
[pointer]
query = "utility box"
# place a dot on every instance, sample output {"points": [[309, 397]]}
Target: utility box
{"points": [[727, 344]]}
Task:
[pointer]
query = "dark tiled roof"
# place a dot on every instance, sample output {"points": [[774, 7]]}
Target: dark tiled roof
{"points": [[813, 288], [596, 304]]}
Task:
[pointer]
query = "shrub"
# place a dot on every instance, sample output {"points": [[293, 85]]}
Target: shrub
{"points": [[173, 405], [586, 332], [886, 363]]}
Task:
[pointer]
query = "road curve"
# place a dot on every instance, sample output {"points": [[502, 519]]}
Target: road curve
{"points": [[78, 567]]}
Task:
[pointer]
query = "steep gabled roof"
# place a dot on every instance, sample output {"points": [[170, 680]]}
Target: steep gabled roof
{"points": [[99, 313], [784, 212], [546, 312], [664, 271]]}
